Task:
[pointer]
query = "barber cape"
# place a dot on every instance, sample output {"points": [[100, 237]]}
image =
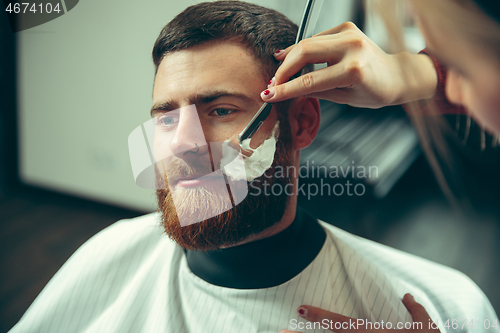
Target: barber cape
{"points": [[131, 277]]}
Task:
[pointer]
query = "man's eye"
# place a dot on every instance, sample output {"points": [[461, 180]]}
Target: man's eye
{"points": [[167, 121], [223, 112]]}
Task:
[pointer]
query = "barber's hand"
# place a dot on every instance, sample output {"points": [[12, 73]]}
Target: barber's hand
{"points": [[416, 310], [359, 73]]}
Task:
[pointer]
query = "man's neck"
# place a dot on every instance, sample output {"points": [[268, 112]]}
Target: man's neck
{"points": [[284, 223], [265, 262]]}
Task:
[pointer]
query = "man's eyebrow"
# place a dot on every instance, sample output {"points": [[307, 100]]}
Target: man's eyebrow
{"points": [[203, 98], [163, 107]]}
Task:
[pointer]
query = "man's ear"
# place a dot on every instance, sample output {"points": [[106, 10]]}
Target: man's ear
{"points": [[304, 116]]}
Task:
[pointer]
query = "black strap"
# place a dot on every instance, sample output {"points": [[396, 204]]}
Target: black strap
{"points": [[263, 263]]}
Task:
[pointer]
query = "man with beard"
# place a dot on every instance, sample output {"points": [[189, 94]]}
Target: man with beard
{"points": [[250, 266]]}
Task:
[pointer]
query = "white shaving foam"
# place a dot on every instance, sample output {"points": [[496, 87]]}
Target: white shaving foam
{"points": [[253, 166]]}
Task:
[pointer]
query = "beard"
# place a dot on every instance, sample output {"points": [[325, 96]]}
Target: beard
{"points": [[233, 223]]}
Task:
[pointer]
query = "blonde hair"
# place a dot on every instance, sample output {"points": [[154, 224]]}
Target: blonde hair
{"points": [[465, 17]]}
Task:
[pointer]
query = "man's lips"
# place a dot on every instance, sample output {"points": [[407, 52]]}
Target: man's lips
{"points": [[198, 179]]}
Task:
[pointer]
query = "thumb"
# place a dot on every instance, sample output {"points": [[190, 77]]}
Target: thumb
{"points": [[417, 311]]}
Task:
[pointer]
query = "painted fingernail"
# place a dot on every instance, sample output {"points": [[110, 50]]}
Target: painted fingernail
{"points": [[278, 52], [267, 94], [302, 311], [271, 82]]}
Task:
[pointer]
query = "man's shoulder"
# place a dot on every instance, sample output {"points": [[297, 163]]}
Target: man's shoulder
{"points": [[118, 262], [136, 235], [126, 241], [128, 229], [449, 289], [393, 260]]}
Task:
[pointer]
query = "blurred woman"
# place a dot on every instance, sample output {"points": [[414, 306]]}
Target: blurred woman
{"points": [[458, 73]]}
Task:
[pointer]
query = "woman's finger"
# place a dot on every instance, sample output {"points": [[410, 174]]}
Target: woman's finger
{"points": [[314, 82], [341, 323], [312, 51], [417, 311], [339, 96], [340, 28], [281, 54]]}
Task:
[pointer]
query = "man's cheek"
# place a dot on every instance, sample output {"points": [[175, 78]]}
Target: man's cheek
{"points": [[162, 153]]}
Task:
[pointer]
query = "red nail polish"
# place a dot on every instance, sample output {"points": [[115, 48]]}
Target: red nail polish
{"points": [[302, 312], [270, 82], [266, 92], [277, 52]]}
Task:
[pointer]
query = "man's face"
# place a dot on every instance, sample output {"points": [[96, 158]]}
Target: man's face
{"points": [[206, 94], [198, 76]]}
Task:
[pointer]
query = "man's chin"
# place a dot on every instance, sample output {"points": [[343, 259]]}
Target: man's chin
{"points": [[197, 218]]}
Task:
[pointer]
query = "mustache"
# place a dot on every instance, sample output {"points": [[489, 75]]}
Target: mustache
{"points": [[175, 169], [218, 156], [180, 168]]}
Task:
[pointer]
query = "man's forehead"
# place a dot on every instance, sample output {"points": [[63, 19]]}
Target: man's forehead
{"points": [[214, 65]]}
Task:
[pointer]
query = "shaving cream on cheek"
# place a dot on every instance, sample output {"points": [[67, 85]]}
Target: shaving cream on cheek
{"points": [[253, 166]]}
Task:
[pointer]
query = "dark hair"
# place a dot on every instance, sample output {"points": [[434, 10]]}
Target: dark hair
{"points": [[261, 29]]}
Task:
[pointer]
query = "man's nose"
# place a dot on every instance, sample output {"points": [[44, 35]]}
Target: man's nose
{"points": [[189, 140]]}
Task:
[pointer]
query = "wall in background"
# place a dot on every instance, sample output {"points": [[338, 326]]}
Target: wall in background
{"points": [[85, 82]]}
